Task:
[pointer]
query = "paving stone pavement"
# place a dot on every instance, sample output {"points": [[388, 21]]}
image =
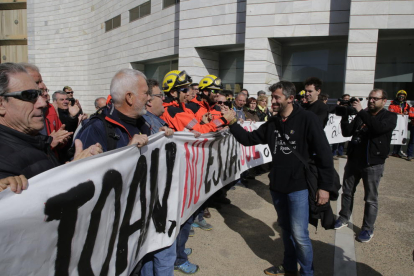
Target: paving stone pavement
{"points": [[246, 238]]}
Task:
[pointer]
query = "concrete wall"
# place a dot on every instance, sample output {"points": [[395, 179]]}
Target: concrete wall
{"points": [[367, 17], [67, 40], [206, 24], [272, 19]]}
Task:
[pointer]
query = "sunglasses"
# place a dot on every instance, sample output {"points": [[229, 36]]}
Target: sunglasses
{"points": [[69, 92], [224, 102], [184, 90], [161, 96], [214, 91], [26, 95]]}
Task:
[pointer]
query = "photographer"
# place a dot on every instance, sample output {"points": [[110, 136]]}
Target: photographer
{"points": [[371, 132], [338, 149]]}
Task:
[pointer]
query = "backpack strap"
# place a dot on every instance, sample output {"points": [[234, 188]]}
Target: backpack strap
{"points": [[112, 137]]}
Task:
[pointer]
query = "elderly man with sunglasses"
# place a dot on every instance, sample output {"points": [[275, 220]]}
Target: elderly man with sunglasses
{"points": [[24, 152], [371, 132]]}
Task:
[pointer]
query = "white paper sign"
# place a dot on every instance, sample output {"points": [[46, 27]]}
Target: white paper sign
{"points": [[334, 133], [399, 135], [101, 215]]}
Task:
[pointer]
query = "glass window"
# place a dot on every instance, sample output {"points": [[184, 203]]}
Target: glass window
{"points": [[326, 60], [167, 3], [158, 70], [145, 9], [231, 68], [117, 22], [140, 11], [113, 23], [134, 14], [394, 68], [108, 25]]}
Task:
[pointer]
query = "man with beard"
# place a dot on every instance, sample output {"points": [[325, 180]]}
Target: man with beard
{"points": [[292, 128], [371, 132], [204, 104], [177, 115], [117, 125]]}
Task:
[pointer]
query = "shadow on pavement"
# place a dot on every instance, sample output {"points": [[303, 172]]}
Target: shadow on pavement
{"points": [[256, 233], [260, 189], [258, 236]]}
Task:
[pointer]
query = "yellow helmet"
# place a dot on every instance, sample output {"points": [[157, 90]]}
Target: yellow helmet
{"points": [[302, 93], [210, 82], [401, 92], [174, 79]]}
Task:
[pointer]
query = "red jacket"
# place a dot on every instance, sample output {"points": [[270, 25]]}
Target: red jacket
{"points": [[200, 107], [178, 117], [411, 115], [52, 120], [395, 107]]}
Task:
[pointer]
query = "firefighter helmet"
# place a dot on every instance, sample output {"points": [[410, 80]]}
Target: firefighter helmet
{"points": [[174, 79], [210, 82]]}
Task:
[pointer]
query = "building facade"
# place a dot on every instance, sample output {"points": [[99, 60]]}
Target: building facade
{"points": [[352, 45], [13, 31]]}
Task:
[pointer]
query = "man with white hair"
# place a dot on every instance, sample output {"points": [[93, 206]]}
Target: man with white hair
{"points": [[53, 126], [117, 125]]}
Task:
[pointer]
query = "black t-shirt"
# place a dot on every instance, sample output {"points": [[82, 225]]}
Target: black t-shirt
{"points": [[320, 109]]}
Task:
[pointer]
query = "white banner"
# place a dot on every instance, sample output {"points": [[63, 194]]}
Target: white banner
{"points": [[101, 215], [334, 133], [399, 135]]}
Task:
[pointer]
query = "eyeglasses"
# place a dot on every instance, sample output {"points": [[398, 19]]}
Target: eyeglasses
{"points": [[161, 96], [184, 90], [374, 98], [69, 92], [26, 95]]}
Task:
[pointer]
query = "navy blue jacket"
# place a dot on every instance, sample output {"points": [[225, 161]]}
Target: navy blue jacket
{"points": [[95, 131]]}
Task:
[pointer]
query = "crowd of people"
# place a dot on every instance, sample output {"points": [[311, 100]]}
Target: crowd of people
{"points": [[37, 135]]}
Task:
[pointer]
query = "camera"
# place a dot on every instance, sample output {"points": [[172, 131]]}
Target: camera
{"points": [[229, 104], [72, 101], [359, 133], [345, 107]]}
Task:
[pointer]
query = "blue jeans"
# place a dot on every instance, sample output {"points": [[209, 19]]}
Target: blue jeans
{"points": [[411, 142], [371, 177], [338, 149], [293, 217], [160, 262], [181, 241]]}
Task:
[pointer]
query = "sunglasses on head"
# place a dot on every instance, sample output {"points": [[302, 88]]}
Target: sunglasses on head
{"points": [[30, 95]]}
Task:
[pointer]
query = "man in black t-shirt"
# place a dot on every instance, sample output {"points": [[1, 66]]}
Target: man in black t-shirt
{"points": [[313, 88]]}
